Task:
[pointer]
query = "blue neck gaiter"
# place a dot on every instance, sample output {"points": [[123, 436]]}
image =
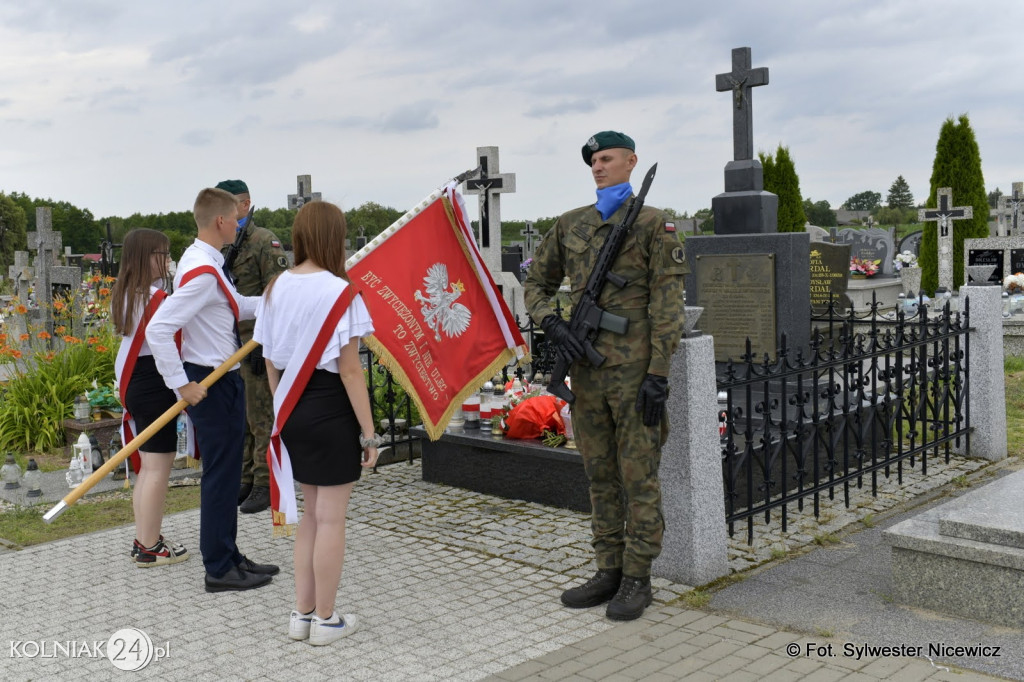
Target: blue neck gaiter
{"points": [[610, 198]]}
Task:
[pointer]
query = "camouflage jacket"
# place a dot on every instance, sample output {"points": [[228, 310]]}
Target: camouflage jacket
{"points": [[651, 259], [259, 259]]}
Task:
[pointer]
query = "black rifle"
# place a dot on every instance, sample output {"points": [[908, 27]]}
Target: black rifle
{"points": [[587, 317], [240, 237]]}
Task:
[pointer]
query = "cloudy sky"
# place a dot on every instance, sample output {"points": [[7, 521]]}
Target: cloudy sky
{"points": [[121, 107]]}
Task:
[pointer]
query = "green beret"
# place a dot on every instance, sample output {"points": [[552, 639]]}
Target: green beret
{"points": [[607, 139], [233, 186]]}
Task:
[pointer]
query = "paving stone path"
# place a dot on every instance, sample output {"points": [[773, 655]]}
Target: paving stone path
{"points": [[450, 585]]}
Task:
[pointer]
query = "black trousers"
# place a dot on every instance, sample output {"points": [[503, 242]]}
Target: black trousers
{"points": [[220, 434]]}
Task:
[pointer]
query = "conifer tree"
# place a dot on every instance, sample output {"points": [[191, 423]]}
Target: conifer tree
{"points": [[957, 165], [780, 178], [899, 194]]}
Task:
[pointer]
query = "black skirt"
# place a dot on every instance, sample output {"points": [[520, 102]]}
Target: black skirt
{"points": [[322, 434], [148, 398]]}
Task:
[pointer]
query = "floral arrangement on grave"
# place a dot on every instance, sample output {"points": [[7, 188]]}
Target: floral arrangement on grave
{"points": [[1014, 284], [525, 265], [864, 267], [907, 259], [535, 415]]}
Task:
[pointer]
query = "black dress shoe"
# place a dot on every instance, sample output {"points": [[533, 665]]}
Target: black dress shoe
{"points": [[250, 566], [258, 500], [243, 492], [236, 580]]}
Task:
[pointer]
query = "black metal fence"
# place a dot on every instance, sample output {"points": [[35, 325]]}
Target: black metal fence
{"points": [[871, 395]]}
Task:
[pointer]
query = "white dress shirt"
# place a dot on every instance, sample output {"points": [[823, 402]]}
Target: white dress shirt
{"points": [[202, 312]]}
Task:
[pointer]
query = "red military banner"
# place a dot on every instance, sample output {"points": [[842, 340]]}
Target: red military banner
{"points": [[442, 327]]}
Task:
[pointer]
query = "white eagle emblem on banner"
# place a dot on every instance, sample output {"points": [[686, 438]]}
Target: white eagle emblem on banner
{"points": [[440, 311]]}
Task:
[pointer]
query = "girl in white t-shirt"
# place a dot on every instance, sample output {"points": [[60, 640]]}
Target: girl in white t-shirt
{"points": [[328, 432]]}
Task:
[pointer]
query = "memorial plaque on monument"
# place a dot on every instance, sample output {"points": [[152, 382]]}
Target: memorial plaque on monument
{"points": [[1016, 262], [511, 258], [988, 257], [737, 292], [830, 276]]}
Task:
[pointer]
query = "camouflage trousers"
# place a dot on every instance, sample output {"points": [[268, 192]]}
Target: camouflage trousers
{"points": [[259, 415], [621, 457]]}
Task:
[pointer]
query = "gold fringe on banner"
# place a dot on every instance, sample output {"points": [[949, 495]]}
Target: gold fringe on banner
{"points": [[283, 530]]}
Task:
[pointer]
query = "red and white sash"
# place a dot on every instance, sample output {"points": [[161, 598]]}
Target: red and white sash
{"points": [[125, 367], [294, 379], [219, 274]]}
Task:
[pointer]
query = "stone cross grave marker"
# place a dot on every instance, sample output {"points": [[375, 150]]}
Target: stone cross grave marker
{"points": [[489, 184], [740, 81], [304, 193], [108, 266], [47, 245], [21, 273], [944, 216], [1010, 209], [530, 238]]}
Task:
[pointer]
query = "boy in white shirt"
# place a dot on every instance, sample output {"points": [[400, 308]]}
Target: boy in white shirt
{"points": [[206, 307]]}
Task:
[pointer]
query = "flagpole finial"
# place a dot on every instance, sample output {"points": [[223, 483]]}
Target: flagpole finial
{"points": [[462, 177]]}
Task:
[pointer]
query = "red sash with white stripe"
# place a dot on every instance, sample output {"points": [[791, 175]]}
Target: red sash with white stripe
{"points": [[293, 382], [224, 286], [128, 427]]}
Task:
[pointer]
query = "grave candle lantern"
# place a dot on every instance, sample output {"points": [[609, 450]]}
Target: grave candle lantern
{"points": [[10, 472], [33, 480]]}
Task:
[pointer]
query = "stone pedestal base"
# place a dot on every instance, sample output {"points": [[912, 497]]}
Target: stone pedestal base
{"points": [[886, 291], [965, 557]]}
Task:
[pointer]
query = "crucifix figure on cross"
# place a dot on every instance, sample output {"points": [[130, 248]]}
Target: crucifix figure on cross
{"points": [[944, 216], [490, 184], [740, 81], [1010, 206]]}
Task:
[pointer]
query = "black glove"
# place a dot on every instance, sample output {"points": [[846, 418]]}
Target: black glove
{"points": [[651, 398], [256, 364], [557, 331]]}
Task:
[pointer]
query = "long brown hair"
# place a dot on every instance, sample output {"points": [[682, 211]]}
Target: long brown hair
{"points": [[318, 235], [135, 276]]}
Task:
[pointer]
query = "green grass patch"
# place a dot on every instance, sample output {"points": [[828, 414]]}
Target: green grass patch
{"points": [[1014, 405], [24, 526], [823, 539], [869, 521], [697, 599]]}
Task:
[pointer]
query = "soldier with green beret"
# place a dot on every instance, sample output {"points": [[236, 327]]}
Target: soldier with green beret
{"points": [[260, 258], [619, 416]]}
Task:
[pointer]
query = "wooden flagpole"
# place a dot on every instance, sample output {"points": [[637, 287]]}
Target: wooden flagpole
{"points": [[139, 440]]}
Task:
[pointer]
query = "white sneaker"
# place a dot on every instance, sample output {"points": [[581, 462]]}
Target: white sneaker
{"points": [[298, 626], [323, 631]]}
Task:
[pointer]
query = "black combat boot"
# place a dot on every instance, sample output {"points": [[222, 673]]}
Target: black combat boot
{"points": [[633, 597], [595, 591]]}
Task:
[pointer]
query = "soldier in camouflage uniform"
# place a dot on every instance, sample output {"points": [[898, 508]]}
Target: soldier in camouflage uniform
{"points": [[259, 259], [619, 415]]}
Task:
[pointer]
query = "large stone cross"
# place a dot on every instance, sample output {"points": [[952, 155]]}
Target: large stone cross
{"points": [[47, 245], [490, 185], [1010, 206], [944, 216], [304, 193], [740, 81]]}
